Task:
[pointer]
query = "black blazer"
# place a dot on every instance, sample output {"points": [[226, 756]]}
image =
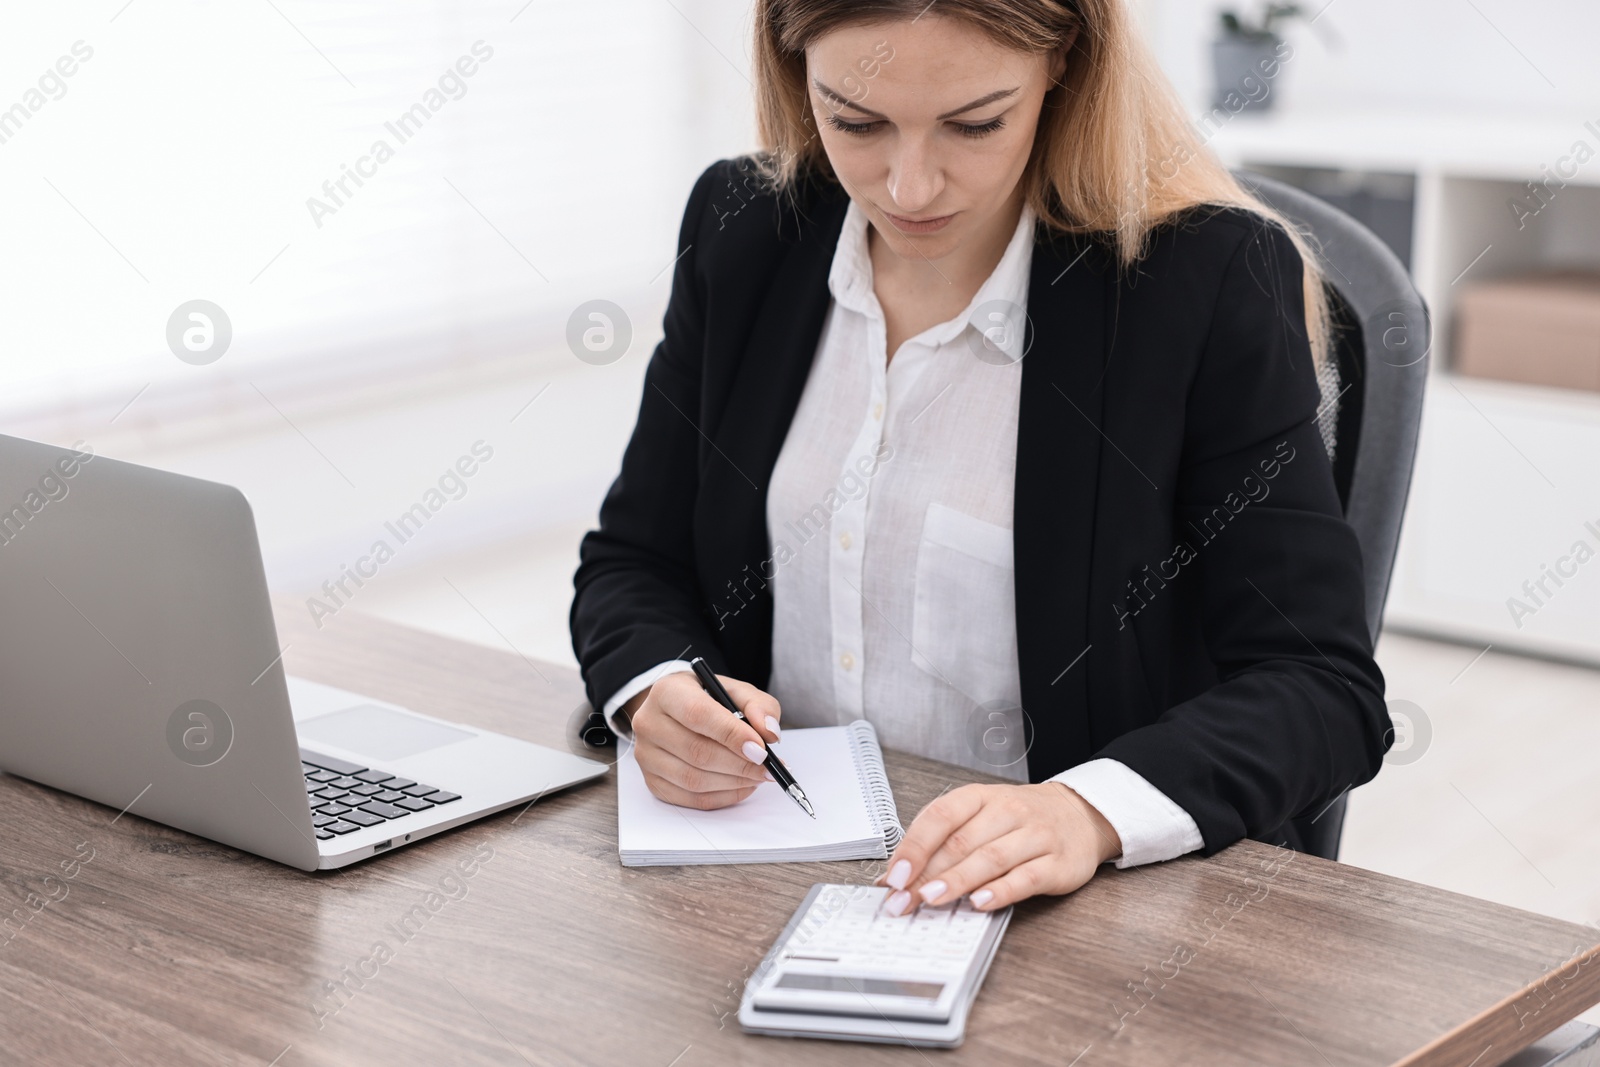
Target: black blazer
{"points": [[1189, 597]]}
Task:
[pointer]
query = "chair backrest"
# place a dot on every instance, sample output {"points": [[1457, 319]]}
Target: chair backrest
{"points": [[1374, 410]]}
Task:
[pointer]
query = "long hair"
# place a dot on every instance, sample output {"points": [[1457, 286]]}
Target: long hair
{"points": [[1114, 155]]}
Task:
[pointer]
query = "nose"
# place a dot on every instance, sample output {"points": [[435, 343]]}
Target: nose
{"points": [[915, 176]]}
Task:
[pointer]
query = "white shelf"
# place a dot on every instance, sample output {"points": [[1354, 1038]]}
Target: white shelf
{"points": [[1504, 147]]}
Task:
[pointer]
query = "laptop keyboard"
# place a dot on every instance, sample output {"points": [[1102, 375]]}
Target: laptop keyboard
{"points": [[346, 796]]}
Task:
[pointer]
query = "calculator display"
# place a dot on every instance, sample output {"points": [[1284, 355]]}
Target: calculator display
{"points": [[839, 983]]}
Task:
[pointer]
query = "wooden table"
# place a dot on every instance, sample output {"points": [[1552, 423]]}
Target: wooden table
{"points": [[162, 948]]}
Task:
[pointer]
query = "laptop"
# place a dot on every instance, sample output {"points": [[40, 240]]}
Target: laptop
{"points": [[140, 668]]}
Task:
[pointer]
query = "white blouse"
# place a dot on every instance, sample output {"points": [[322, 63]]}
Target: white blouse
{"points": [[889, 516]]}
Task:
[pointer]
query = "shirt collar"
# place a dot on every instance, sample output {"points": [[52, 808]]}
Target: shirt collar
{"points": [[850, 282]]}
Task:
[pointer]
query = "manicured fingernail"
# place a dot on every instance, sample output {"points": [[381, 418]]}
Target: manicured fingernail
{"points": [[772, 724], [900, 874], [932, 889], [754, 752], [982, 897], [898, 903]]}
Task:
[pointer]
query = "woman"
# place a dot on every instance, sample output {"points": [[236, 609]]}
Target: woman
{"points": [[987, 411]]}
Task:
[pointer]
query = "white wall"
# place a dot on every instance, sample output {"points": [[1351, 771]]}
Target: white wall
{"points": [[178, 160]]}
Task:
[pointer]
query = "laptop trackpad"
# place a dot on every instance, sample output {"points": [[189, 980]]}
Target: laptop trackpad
{"points": [[379, 732]]}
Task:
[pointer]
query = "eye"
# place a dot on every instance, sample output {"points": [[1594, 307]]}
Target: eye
{"points": [[858, 128], [980, 129]]}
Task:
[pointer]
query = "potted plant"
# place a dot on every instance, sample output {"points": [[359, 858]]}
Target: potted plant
{"points": [[1248, 55]]}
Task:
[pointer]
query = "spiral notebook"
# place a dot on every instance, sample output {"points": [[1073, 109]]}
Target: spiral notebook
{"points": [[841, 770]]}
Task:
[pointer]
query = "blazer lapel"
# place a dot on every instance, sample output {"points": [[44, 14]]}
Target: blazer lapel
{"points": [[1058, 460]]}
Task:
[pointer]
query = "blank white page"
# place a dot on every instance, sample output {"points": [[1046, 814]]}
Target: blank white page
{"points": [[768, 820]]}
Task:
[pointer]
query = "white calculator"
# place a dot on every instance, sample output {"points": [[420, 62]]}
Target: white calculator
{"points": [[844, 968]]}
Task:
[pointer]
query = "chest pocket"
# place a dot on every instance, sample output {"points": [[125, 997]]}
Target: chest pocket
{"points": [[964, 611]]}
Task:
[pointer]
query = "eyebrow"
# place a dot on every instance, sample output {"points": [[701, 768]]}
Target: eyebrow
{"points": [[843, 101]]}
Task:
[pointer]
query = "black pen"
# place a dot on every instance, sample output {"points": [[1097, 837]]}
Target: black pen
{"points": [[780, 773]]}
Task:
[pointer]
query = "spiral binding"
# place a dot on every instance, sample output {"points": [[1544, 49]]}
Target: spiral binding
{"points": [[868, 756]]}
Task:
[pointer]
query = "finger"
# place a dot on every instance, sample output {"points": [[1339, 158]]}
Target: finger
{"points": [[760, 708], [698, 711], [1039, 875], [928, 831], [672, 794], [987, 863], [657, 761], [661, 731], [994, 820]]}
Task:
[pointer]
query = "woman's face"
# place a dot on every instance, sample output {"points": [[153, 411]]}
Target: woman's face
{"points": [[929, 124]]}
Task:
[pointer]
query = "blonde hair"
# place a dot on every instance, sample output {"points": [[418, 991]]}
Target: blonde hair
{"points": [[1115, 155]]}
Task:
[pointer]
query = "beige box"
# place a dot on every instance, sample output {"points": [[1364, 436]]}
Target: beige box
{"points": [[1541, 329]]}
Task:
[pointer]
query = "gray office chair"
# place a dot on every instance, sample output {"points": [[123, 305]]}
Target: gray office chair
{"points": [[1372, 402]]}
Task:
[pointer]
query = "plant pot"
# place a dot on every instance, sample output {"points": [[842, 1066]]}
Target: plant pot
{"points": [[1246, 70]]}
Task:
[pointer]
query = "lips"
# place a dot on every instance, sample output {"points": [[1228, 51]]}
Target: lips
{"points": [[927, 224]]}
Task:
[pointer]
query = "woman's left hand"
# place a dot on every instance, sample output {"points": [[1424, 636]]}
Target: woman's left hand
{"points": [[1001, 844]]}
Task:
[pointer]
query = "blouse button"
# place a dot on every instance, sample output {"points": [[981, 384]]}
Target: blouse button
{"points": [[846, 660], [877, 411], [844, 540]]}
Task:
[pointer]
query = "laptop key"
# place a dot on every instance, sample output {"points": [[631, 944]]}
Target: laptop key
{"points": [[388, 811], [328, 763], [361, 818], [332, 807], [373, 776], [341, 827], [420, 790], [388, 796], [413, 803], [323, 835], [442, 797], [367, 789], [330, 793], [399, 783], [319, 821], [345, 782], [317, 775]]}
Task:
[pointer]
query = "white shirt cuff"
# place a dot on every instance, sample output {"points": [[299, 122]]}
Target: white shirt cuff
{"points": [[637, 684], [1151, 826]]}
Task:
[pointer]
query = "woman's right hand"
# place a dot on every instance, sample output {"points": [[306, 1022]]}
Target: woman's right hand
{"points": [[692, 750]]}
